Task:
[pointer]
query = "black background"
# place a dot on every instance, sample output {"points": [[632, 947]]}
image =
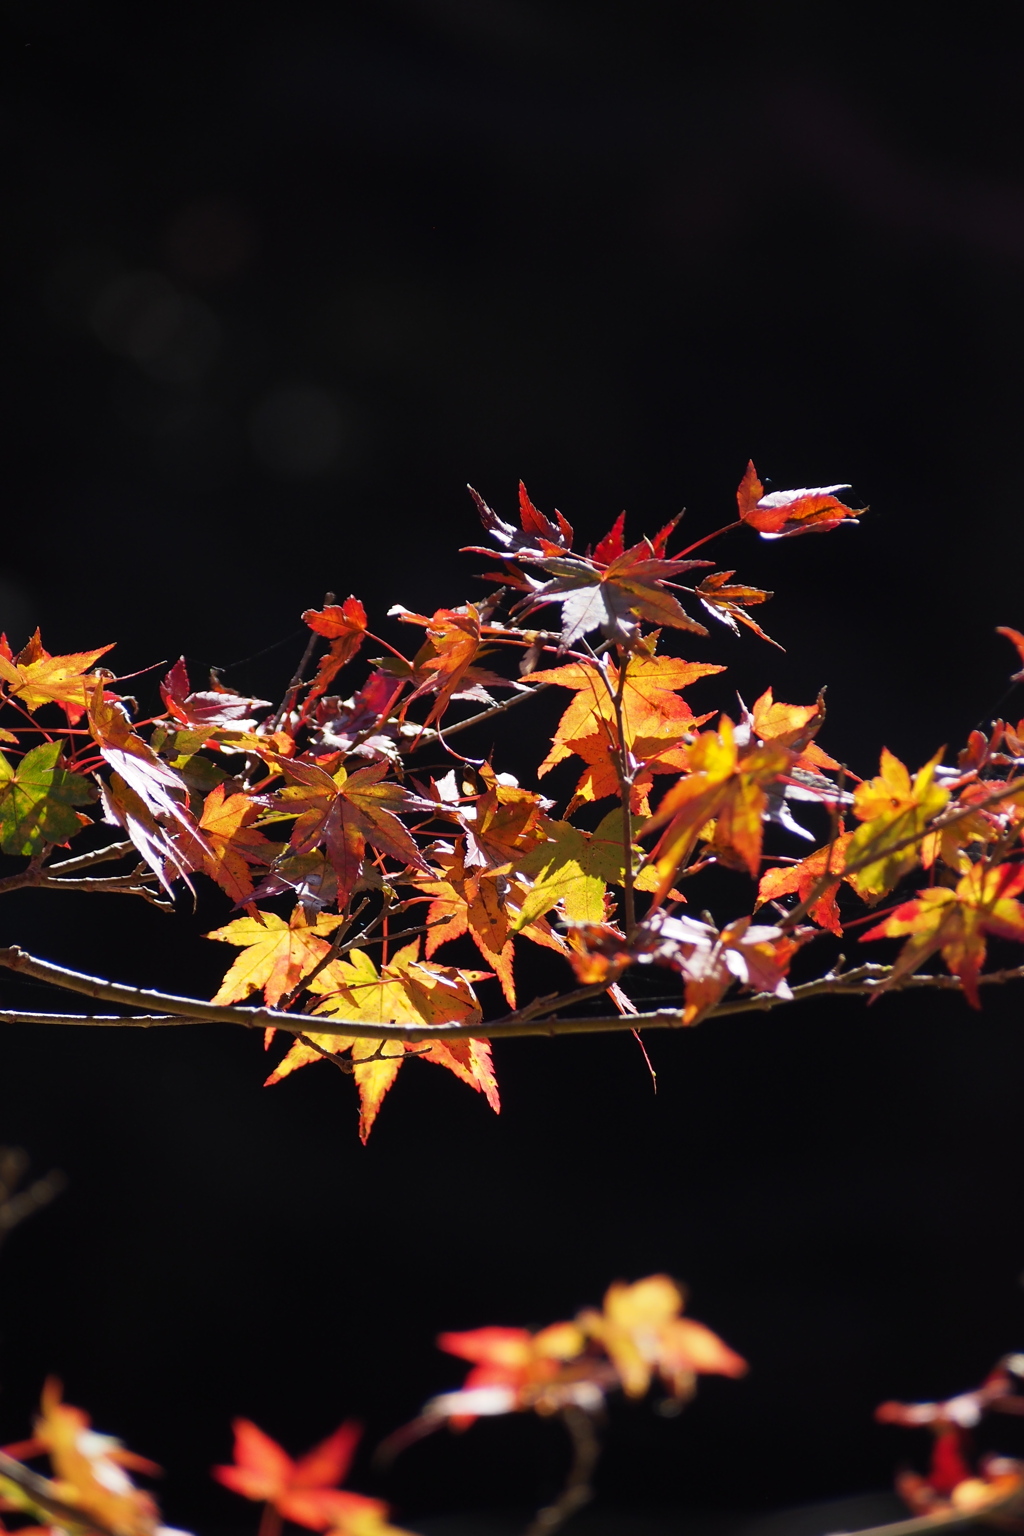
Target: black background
{"points": [[279, 279]]}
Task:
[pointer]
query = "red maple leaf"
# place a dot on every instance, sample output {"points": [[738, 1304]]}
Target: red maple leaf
{"points": [[211, 707], [305, 1490], [783, 514]]}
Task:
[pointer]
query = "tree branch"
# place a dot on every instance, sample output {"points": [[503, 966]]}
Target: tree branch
{"points": [[864, 981]]}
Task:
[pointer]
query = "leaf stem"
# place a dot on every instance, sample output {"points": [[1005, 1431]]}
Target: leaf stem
{"points": [[708, 537]]}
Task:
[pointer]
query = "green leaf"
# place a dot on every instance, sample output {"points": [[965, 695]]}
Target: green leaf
{"points": [[36, 800], [573, 867]]}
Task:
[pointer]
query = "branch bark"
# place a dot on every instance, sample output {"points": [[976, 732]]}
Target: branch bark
{"points": [[864, 981]]}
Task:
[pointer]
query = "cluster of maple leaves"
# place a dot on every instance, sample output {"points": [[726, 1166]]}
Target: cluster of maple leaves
{"points": [[350, 866], [639, 1337]]}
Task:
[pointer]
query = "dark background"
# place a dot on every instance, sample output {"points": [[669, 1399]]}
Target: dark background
{"points": [[279, 279]]}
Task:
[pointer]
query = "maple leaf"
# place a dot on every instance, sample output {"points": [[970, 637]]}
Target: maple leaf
{"points": [[502, 824], [90, 1468], [539, 534], [37, 678], [445, 661], [988, 823], [485, 903], [211, 707], [276, 955], [304, 1491], [951, 1488], [1016, 639], [344, 625], [345, 811], [645, 1336], [227, 843], [801, 879], [156, 783], [36, 800], [573, 869], [123, 808], [144, 792], [654, 720], [726, 601], [360, 725], [512, 1370], [710, 961], [783, 514], [956, 923], [891, 809], [406, 991], [756, 956], [793, 726], [723, 785], [615, 594]]}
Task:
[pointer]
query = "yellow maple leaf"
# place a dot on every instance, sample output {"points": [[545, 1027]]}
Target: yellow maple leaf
{"points": [[405, 991], [644, 1334], [275, 954], [37, 678], [892, 808]]}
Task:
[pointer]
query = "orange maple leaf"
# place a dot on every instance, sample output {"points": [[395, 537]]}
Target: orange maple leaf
{"points": [[445, 662], [654, 719], [645, 1336], [344, 624], [37, 678], [227, 843], [512, 1369], [803, 877], [793, 726], [724, 785], [783, 514], [305, 1490], [485, 903], [726, 600], [89, 1468], [956, 923], [405, 991]]}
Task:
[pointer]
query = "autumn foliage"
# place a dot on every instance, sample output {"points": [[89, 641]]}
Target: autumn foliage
{"points": [[383, 875]]}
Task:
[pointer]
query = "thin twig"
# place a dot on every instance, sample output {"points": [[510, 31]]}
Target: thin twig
{"points": [[38, 875], [100, 1020], [586, 1448], [325, 959], [427, 733], [87, 860], [292, 691]]}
